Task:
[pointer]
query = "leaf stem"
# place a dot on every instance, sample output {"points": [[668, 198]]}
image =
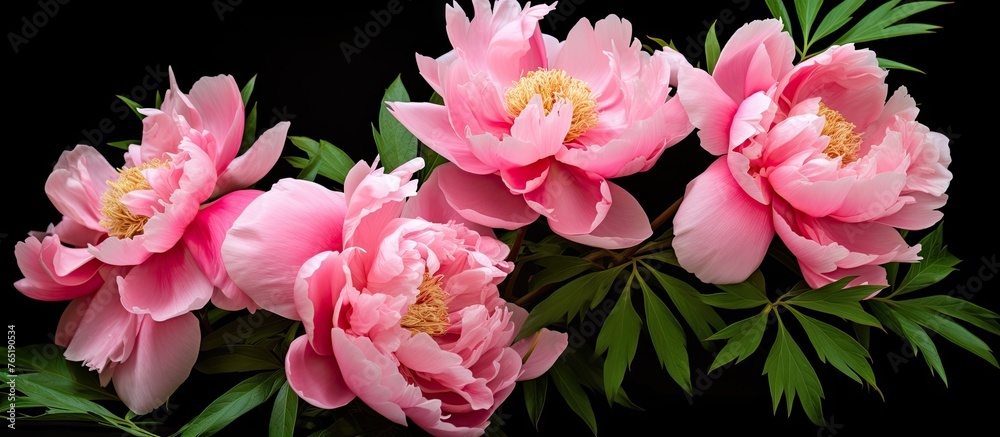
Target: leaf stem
{"points": [[515, 249]]}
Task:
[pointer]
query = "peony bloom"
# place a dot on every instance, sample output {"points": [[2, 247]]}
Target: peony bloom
{"points": [[535, 126], [401, 313], [813, 152], [164, 212]]}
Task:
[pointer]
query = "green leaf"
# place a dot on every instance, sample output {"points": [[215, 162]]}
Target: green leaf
{"points": [[863, 333], [234, 403], [558, 268], [334, 163], [913, 333], [746, 294], [666, 256], [432, 160], [132, 105], [744, 338], [569, 387], [246, 329], [878, 24], [249, 130], [123, 144], [837, 18], [948, 329], [284, 412], [247, 90], [712, 49], [57, 397], [398, 145], [589, 370], [667, 336], [789, 373], [777, 8], [839, 349], [807, 11], [890, 64], [534, 398], [237, 358], [158, 100], [569, 300], [838, 301], [935, 265], [659, 41], [59, 374], [960, 309], [701, 317], [619, 336], [311, 169]]}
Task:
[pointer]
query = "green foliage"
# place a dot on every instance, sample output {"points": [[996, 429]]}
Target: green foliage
{"points": [[235, 402], [284, 412], [712, 49], [936, 263], [569, 300], [619, 337], [789, 374], [396, 145], [324, 159]]}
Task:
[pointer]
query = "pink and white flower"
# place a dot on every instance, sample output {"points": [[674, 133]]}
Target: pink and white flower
{"points": [[811, 152], [535, 126], [401, 313]]}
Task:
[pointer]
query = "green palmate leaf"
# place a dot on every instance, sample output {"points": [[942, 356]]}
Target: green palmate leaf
{"points": [[701, 317], [712, 49], [913, 333], [839, 349], [284, 412], [333, 162], [237, 358], [778, 10], [619, 337], [248, 90], [838, 301], [837, 18], [790, 374], [569, 300], [878, 24], [807, 11], [890, 64], [570, 389], [132, 105], [948, 329], [667, 337], [249, 130], [124, 144], [935, 265], [969, 312], [240, 399], [534, 398], [558, 268], [56, 373], [744, 338], [398, 145], [746, 294]]}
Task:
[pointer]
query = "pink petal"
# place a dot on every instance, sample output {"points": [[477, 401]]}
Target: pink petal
{"points": [[318, 287], [721, 234], [163, 230], [204, 237], [55, 272], [287, 225], [105, 334], [430, 204], [520, 180], [625, 225], [121, 251], [430, 124], [539, 352], [373, 377], [847, 79], [374, 198], [534, 136], [864, 275], [708, 107], [575, 202], [69, 321], [754, 58], [483, 199], [77, 182], [316, 378], [220, 105], [164, 354], [75, 234], [253, 164], [583, 57], [922, 213], [166, 285]]}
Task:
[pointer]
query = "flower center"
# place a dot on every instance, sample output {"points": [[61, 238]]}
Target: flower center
{"points": [[429, 313], [118, 220], [844, 141], [552, 86]]}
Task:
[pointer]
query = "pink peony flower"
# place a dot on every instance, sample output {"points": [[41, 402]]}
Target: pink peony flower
{"points": [[813, 152], [535, 126], [401, 313]]}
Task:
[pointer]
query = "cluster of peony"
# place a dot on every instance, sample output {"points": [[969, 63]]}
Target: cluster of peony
{"points": [[396, 286]]}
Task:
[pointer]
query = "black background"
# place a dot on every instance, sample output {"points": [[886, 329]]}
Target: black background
{"points": [[61, 78]]}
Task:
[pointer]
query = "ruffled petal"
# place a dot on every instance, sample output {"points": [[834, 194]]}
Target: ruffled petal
{"points": [[316, 378], [483, 199]]}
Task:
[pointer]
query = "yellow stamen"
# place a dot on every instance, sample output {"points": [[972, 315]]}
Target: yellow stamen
{"points": [[118, 220], [844, 141], [553, 86], [429, 313]]}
